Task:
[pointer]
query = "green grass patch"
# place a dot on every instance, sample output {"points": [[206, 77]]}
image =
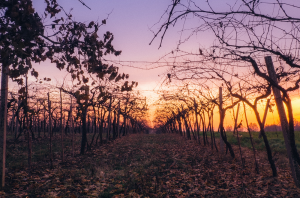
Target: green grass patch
{"points": [[276, 140]]}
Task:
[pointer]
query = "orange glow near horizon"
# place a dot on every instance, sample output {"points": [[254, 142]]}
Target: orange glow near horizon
{"points": [[272, 117]]}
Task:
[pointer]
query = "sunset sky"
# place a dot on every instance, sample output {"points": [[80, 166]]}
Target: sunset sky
{"points": [[133, 23]]}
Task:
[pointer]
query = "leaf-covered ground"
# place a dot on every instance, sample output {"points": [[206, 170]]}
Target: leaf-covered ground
{"points": [[161, 165]]}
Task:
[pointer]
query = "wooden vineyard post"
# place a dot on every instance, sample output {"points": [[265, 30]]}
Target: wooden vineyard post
{"points": [[61, 129], [284, 122], [72, 131], [44, 125], [213, 132], [118, 120], [222, 144], [72, 127], [91, 129], [88, 124], [49, 130], [38, 121], [13, 121], [3, 120], [109, 120]]}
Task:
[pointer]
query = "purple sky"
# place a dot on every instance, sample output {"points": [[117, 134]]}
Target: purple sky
{"points": [[131, 22]]}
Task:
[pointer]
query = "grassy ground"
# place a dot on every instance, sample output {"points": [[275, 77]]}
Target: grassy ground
{"points": [[276, 140], [164, 165]]}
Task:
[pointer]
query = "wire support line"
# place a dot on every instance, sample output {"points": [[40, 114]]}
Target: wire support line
{"points": [[144, 67]]}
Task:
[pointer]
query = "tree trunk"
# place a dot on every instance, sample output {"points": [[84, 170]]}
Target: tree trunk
{"points": [[265, 115], [17, 125], [237, 135], [179, 125], [222, 145], [101, 131], [83, 120], [223, 135], [188, 134], [124, 122], [115, 125], [28, 128], [251, 139], [80, 127], [203, 130], [93, 130], [13, 122], [83, 137], [268, 148]]}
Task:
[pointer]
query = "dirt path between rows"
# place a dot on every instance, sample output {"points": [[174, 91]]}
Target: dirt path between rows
{"points": [[155, 165]]}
